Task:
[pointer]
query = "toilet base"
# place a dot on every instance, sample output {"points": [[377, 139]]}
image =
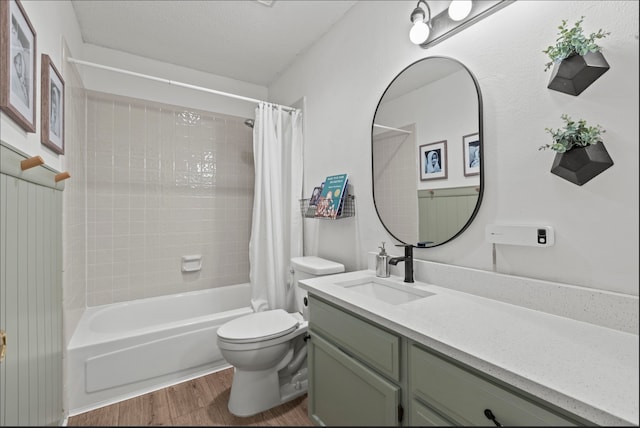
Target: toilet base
{"points": [[256, 391]]}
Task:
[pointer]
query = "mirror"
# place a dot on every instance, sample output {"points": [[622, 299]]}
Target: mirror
{"points": [[427, 147]]}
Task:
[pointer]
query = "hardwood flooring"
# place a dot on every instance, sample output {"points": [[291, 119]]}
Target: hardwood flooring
{"points": [[198, 402]]}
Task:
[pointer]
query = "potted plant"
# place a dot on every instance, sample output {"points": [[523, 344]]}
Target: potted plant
{"points": [[580, 152], [576, 59]]}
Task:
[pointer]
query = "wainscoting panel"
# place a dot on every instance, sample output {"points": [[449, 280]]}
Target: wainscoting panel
{"points": [[30, 293], [443, 212]]}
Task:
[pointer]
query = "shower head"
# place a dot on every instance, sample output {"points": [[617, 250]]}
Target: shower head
{"points": [[249, 123]]}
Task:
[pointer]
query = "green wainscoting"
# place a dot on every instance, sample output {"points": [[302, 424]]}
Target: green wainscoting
{"points": [[443, 212], [31, 384]]}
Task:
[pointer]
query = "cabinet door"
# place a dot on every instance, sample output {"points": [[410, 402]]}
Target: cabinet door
{"points": [[344, 392]]}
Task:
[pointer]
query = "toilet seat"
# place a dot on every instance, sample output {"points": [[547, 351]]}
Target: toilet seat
{"points": [[258, 327]]}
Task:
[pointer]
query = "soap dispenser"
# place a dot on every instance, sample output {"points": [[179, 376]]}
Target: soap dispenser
{"points": [[382, 263]]}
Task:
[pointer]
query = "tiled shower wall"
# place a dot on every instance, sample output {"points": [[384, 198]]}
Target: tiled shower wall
{"points": [[164, 182]]}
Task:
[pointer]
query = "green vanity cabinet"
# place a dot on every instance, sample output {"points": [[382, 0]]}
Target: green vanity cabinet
{"points": [[363, 374], [354, 369], [447, 393]]}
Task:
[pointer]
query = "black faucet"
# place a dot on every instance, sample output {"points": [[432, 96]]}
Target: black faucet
{"points": [[408, 262]]}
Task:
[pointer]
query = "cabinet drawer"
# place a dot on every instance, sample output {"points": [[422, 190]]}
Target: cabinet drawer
{"points": [[373, 345], [463, 396], [422, 416]]}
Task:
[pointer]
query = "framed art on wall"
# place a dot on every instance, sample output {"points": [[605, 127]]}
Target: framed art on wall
{"points": [[18, 59], [433, 160], [471, 151], [52, 108]]}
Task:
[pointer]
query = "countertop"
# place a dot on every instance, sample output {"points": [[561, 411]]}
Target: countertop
{"points": [[585, 369]]}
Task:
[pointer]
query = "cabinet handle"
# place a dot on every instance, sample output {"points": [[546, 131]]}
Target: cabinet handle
{"points": [[489, 414], [3, 344]]}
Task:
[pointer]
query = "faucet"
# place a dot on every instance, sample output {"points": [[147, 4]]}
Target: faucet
{"points": [[408, 262]]}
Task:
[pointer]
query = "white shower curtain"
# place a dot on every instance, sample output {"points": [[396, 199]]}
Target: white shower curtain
{"points": [[276, 227]]}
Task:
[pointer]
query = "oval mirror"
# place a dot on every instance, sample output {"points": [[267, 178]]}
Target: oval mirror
{"points": [[427, 152]]}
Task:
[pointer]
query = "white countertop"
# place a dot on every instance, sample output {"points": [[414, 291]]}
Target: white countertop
{"points": [[588, 370]]}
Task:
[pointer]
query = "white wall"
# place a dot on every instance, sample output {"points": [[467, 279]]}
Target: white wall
{"points": [[161, 186], [344, 75]]}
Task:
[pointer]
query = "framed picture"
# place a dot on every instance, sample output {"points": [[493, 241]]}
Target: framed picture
{"points": [[433, 160], [471, 151], [52, 108], [18, 62]]}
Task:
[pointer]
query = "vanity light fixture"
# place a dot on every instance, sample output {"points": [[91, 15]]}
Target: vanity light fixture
{"points": [[432, 25], [420, 30], [459, 9]]}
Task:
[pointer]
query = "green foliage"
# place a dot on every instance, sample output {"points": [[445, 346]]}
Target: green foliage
{"points": [[573, 134], [571, 41]]}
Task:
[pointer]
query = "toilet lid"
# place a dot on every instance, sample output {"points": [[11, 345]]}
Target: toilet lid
{"points": [[258, 326]]}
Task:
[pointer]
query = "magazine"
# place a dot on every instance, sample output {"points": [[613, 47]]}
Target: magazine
{"points": [[332, 196]]}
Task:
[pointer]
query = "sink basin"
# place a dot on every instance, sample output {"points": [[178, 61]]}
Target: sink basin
{"points": [[385, 290]]}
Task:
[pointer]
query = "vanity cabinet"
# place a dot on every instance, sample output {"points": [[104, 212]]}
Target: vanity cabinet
{"points": [[354, 370], [446, 393], [361, 373]]}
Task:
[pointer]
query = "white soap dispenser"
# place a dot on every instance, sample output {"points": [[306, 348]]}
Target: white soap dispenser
{"points": [[382, 263]]}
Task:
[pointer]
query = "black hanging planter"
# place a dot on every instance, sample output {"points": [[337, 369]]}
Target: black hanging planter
{"points": [[581, 164], [574, 74]]}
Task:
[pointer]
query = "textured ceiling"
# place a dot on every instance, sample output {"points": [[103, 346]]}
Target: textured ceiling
{"points": [[247, 40]]}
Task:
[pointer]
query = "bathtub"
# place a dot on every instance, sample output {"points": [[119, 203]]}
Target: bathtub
{"points": [[122, 350]]}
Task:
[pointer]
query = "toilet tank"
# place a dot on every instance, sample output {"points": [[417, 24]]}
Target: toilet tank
{"points": [[310, 267]]}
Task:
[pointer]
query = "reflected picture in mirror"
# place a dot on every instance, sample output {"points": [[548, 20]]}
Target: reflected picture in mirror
{"points": [[433, 161], [426, 189], [471, 152]]}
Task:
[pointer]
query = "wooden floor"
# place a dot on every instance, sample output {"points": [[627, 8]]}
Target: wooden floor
{"points": [[198, 402]]}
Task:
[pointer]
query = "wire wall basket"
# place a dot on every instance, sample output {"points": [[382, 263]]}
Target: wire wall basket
{"points": [[348, 209]]}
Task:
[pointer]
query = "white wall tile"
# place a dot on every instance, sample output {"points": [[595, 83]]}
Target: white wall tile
{"points": [[158, 194]]}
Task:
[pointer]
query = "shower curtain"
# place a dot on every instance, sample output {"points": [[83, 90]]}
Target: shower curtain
{"points": [[276, 226]]}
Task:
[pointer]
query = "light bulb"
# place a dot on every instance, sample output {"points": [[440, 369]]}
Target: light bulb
{"points": [[459, 9], [419, 32]]}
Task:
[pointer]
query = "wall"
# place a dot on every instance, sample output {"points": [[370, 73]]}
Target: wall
{"points": [[344, 75], [164, 182], [395, 166]]}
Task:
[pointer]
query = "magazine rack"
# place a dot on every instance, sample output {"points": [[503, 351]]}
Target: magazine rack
{"points": [[348, 209]]}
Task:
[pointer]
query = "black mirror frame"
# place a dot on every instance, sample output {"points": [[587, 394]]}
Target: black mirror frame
{"points": [[480, 136]]}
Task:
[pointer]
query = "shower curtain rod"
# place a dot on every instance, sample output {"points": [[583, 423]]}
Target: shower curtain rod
{"points": [[172, 82]]}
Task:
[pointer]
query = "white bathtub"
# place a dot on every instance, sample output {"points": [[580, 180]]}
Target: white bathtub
{"points": [[122, 350]]}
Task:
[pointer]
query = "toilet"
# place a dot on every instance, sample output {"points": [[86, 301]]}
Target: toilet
{"points": [[268, 350]]}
